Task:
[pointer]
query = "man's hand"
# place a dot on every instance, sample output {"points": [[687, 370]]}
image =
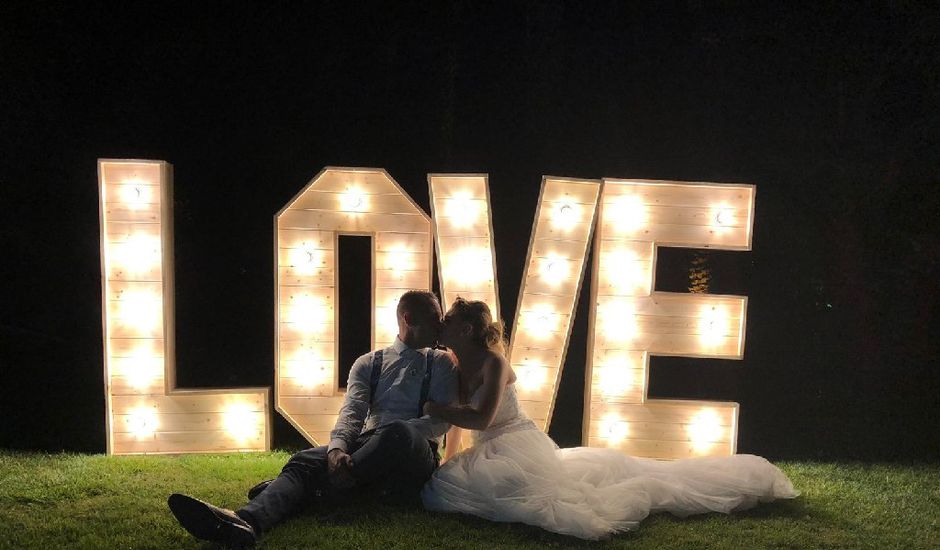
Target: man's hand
{"points": [[340, 469]]}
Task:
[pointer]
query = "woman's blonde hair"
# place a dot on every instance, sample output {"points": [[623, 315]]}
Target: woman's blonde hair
{"points": [[484, 331]]}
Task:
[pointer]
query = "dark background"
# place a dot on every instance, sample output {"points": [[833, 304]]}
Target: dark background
{"points": [[832, 111]]}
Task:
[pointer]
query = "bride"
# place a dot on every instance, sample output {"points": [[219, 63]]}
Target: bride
{"points": [[514, 472]]}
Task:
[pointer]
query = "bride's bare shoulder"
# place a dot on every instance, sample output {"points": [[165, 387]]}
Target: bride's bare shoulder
{"points": [[497, 365]]}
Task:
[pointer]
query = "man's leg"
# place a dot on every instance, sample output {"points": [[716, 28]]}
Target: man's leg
{"points": [[304, 475], [398, 453]]}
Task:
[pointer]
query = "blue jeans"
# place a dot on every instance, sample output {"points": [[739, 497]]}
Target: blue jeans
{"points": [[394, 456]]}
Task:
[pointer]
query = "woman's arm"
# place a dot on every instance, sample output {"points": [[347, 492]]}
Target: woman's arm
{"points": [[452, 443], [496, 373]]}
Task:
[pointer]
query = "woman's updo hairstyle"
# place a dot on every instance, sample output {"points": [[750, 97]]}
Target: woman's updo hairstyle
{"points": [[485, 332]]}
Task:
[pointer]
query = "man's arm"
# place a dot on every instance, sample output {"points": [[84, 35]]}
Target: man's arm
{"points": [[496, 373], [355, 406], [443, 389]]}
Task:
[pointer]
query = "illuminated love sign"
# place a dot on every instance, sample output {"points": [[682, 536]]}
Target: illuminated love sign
{"points": [[629, 321]]}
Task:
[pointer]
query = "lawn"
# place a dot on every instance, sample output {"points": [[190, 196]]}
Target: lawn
{"points": [[94, 501]]}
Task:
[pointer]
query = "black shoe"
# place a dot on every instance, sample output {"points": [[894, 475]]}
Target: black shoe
{"points": [[207, 522], [258, 489]]}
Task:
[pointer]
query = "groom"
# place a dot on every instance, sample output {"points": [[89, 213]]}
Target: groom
{"points": [[381, 440]]}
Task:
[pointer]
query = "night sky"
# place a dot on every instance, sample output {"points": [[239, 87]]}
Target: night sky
{"points": [[833, 112]]}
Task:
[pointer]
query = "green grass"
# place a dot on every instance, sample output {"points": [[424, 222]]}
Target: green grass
{"points": [[93, 501]]}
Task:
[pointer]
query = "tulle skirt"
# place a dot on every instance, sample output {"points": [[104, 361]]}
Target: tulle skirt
{"points": [[591, 493]]}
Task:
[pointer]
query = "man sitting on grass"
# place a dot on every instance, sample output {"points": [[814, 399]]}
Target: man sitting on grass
{"points": [[380, 442]]}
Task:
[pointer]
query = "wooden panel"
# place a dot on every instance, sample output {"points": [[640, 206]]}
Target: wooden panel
{"points": [[124, 385], [146, 213], [568, 190], [289, 276], [550, 225], [662, 450], [695, 236], [536, 356], [200, 422], [415, 242], [679, 193], [323, 423], [309, 256], [365, 222], [402, 260], [289, 348], [290, 296], [385, 203], [313, 238], [338, 180], [185, 442], [192, 401], [448, 186], [119, 172], [416, 279], [312, 405]]}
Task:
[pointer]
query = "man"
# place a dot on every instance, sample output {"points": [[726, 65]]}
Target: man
{"points": [[380, 435]]}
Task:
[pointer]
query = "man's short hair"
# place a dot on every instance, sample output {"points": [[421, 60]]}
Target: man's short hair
{"points": [[416, 301]]}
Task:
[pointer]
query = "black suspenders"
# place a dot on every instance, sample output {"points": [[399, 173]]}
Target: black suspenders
{"points": [[377, 371]]}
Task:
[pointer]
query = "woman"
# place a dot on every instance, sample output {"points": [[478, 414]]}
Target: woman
{"points": [[514, 472]]}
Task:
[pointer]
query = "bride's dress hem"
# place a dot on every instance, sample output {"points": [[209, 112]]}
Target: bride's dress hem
{"points": [[515, 473]]}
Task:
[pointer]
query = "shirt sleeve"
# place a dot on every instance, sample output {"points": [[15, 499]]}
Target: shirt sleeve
{"points": [[443, 389], [355, 406]]}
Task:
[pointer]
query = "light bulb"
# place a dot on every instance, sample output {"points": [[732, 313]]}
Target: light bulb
{"points": [[136, 194], [618, 320], [704, 429], [353, 200], [308, 370], [616, 377], [627, 213], [530, 377], [141, 309], [614, 429], [240, 421], [542, 321], [625, 272], [462, 209], [555, 269], [306, 259], [400, 258], [723, 215], [713, 325], [142, 422], [470, 266], [138, 254], [142, 369], [387, 319], [308, 313], [565, 215]]}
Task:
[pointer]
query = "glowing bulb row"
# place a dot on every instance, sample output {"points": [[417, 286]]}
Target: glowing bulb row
{"points": [[619, 322], [630, 214], [306, 259], [703, 429], [238, 420]]}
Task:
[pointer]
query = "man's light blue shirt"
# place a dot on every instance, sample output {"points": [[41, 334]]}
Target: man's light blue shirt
{"points": [[398, 393]]}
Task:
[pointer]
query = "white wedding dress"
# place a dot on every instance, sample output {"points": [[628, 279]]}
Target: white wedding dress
{"points": [[515, 473]]}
